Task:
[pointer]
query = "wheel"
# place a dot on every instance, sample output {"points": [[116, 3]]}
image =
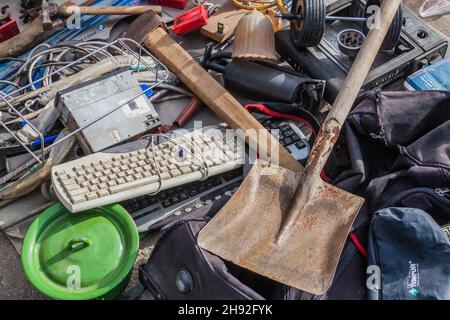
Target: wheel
{"points": [[393, 35], [308, 31]]}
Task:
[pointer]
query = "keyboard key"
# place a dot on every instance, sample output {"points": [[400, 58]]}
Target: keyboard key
{"points": [[111, 183], [165, 176], [132, 185], [84, 184], [300, 144], [137, 176], [91, 196], [166, 203], [135, 205], [102, 193], [70, 187], [288, 141], [77, 199], [295, 137], [289, 132], [193, 192], [186, 170], [78, 192], [183, 196]]}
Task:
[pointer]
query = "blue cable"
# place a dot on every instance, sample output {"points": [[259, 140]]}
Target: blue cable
{"points": [[37, 142], [146, 88]]}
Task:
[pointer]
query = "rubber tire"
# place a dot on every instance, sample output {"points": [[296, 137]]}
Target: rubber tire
{"points": [[309, 31], [393, 35]]}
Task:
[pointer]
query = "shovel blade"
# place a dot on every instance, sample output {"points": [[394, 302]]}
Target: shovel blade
{"points": [[305, 256]]}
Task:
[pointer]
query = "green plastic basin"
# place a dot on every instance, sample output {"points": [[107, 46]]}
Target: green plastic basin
{"points": [[81, 256]]}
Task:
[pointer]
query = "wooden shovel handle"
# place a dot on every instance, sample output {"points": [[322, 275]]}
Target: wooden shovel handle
{"points": [[219, 100], [111, 10], [351, 87]]}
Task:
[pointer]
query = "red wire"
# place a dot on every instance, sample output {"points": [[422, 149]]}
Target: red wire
{"points": [[358, 244], [324, 176], [275, 114]]}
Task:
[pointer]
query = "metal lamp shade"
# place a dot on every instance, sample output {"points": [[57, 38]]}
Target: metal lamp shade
{"points": [[255, 39]]}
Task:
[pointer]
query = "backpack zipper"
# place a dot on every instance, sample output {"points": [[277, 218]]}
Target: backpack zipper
{"points": [[442, 191], [439, 194]]}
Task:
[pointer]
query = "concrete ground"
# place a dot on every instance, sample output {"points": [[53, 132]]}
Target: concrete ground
{"points": [[441, 23], [13, 284]]}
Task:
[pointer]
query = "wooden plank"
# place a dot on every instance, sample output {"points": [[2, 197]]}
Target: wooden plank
{"points": [[229, 16], [108, 10]]}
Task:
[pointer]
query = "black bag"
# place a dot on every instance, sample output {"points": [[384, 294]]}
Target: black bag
{"points": [[409, 255], [178, 269], [391, 144], [394, 150]]}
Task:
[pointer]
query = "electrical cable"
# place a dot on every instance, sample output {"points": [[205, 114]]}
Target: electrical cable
{"points": [[10, 83], [172, 97], [175, 89], [47, 80], [12, 59], [42, 54]]}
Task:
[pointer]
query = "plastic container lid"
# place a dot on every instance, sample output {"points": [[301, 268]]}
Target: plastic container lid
{"points": [[80, 256]]}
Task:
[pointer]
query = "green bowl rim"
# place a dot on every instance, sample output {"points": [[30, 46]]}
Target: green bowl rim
{"points": [[51, 291]]}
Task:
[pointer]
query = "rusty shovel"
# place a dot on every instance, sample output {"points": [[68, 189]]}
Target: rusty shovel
{"points": [[291, 227]]}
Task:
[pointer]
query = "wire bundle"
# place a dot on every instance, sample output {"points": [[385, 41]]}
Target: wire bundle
{"points": [[45, 59]]}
